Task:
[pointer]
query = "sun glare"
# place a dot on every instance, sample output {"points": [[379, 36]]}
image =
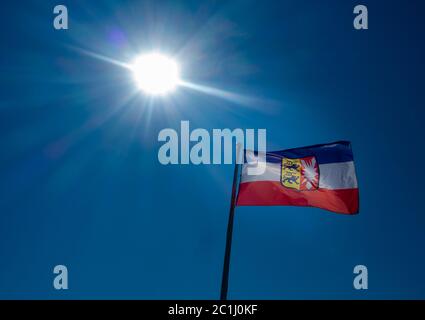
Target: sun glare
{"points": [[155, 74]]}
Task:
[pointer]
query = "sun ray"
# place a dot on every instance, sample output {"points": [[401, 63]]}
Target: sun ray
{"points": [[101, 57], [236, 98]]}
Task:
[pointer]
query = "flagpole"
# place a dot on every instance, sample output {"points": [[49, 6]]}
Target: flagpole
{"points": [[226, 266]]}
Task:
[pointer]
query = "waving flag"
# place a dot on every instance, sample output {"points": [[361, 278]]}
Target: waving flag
{"points": [[321, 176]]}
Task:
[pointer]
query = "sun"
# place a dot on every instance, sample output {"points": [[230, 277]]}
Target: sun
{"points": [[155, 73]]}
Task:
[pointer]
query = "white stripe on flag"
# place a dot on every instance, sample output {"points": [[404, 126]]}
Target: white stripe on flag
{"points": [[340, 175]]}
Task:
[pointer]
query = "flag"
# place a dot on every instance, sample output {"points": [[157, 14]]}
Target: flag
{"points": [[321, 176]]}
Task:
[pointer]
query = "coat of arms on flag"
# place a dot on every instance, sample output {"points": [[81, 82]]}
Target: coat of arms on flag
{"points": [[300, 174]]}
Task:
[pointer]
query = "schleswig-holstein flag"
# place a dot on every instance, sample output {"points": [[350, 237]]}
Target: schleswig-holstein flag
{"points": [[321, 176]]}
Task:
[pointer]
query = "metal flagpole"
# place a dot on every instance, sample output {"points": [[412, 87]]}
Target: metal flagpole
{"points": [[226, 266]]}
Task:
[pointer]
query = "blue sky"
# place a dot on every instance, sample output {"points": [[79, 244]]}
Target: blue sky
{"points": [[81, 185]]}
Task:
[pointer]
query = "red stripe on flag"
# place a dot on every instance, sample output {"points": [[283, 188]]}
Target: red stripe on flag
{"points": [[272, 193]]}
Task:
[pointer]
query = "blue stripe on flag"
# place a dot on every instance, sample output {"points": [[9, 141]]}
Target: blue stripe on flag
{"points": [[325, 153]]}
